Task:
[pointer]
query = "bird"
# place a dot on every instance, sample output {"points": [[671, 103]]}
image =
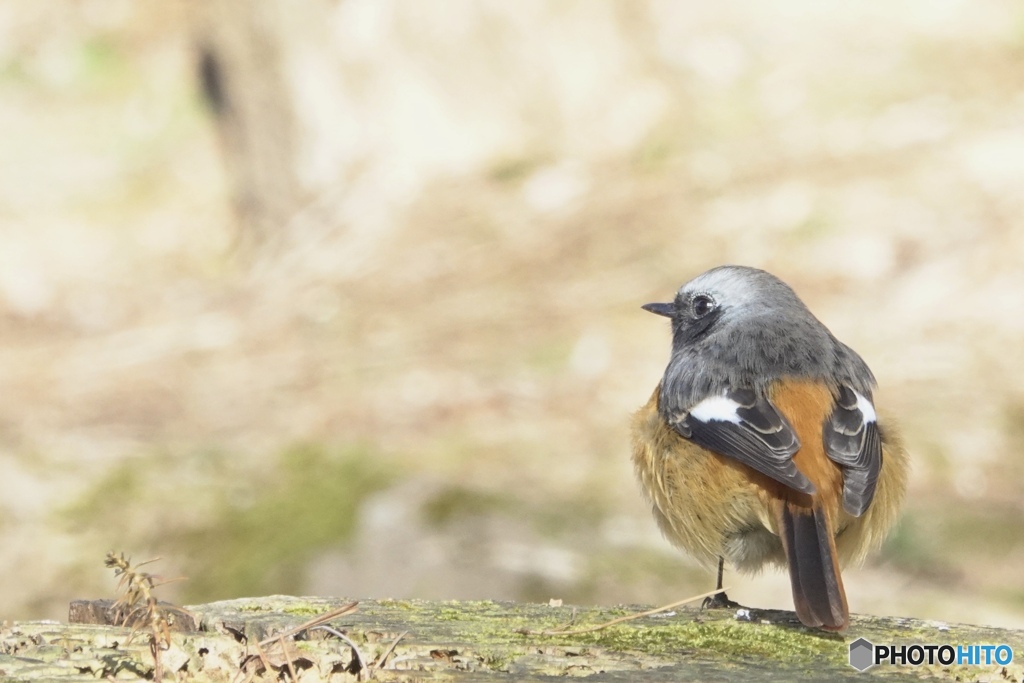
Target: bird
{"points": [[761, 445]]}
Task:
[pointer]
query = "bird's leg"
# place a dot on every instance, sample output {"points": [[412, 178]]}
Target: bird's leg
{"points": [[720, 600]]}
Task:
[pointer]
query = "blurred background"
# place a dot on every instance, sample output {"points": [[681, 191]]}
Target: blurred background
{"points": [[342, 297]]}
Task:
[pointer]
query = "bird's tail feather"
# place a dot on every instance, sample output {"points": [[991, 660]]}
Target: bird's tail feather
{"points": [[813, 567]]}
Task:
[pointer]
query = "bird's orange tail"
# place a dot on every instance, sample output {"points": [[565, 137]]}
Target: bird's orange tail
{"points": [[813, 566]]}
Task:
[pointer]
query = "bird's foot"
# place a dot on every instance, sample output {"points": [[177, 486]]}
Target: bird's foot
{"points": [[720, 601]]}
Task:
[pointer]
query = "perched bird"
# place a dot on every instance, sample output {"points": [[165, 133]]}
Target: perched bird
{"points": [[761, 445]]}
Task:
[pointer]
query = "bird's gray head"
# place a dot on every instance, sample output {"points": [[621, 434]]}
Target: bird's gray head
{"points": [[723, 297], [735, 326]]}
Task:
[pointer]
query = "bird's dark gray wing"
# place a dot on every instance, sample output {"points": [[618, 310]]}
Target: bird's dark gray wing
{"points": [[742, 425], [852, 440]]}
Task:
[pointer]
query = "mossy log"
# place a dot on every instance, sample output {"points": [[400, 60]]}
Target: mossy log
{"points": [[405, 640]]}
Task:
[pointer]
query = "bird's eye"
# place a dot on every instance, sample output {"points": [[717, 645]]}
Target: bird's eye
{"points": [[702, 305]]}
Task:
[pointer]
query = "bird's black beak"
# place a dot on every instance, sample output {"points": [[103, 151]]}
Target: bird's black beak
{"points": [[667, 310]]}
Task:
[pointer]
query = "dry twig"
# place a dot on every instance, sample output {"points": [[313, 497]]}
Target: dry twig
{"points": [[383, 659], [287, 654], [312, 623], [355, 648], [619, 620]]}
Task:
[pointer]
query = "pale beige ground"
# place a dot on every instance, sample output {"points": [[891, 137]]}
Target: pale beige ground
{"points": [[468, 328]]}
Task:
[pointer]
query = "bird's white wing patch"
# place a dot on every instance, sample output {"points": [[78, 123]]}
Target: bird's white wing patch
{"points": [[866, 409], [716, 408]]}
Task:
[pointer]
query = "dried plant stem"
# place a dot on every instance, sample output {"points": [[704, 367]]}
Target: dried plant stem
{"points": [[630, 617]]}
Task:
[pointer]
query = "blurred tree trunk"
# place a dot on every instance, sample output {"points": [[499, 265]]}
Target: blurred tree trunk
{"points": [[335, 116], [241, 46]]}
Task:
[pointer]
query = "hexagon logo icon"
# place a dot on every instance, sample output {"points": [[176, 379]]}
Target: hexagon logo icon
{"points": [[862, 654]]}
